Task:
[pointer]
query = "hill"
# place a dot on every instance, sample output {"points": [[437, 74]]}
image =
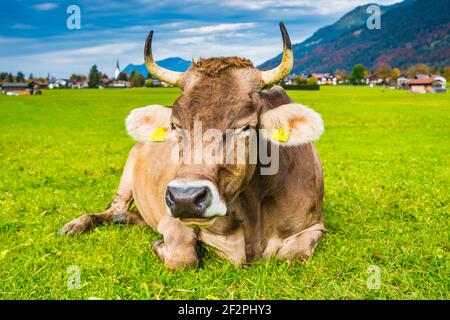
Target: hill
{"points": [[175, 64], [411, 32]]}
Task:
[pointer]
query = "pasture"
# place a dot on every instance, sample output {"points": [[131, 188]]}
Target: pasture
{"points": [[387, 193]]}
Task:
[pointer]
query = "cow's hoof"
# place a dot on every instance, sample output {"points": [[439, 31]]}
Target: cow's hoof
{"points": [[77, 226], [174, 260], [157, 245]]}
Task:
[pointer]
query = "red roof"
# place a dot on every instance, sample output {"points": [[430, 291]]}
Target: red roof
{"points": [[423, 81], [320, 75]]}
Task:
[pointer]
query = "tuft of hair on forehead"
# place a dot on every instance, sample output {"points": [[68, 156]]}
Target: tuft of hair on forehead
{"points": [[215, 66]]}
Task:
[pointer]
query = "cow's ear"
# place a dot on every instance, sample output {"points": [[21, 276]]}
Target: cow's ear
{"points": [[291, 124], [149, 124]]}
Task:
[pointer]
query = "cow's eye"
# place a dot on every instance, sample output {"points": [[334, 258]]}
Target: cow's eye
{"points": [[246, 128]]}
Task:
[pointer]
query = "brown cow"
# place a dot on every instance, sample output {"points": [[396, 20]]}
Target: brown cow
{"points": [[231, 206]]}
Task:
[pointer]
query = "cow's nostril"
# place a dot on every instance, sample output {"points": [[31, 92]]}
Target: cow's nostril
{"points": [[169, 199], [203, 198]]}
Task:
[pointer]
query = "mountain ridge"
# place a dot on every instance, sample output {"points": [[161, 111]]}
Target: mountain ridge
{"points": [[172, 63], [398, 42]]}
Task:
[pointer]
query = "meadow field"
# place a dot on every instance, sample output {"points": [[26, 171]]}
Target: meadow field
{"points": [[386, 158]]}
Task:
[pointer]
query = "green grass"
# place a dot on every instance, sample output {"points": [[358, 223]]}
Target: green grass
{"points": [[387, 180]]}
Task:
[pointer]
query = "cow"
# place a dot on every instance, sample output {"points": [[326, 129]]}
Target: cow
{"points": [[230, 206]]}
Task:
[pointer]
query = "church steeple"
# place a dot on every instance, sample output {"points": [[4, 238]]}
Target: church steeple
{"points": [[117, 71]]}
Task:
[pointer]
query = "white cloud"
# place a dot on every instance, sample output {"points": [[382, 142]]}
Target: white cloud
{"points": [[22, 26], [113, 49], [45, 6], [319, 7], [64, 62], [12, 40], [222, 27], [192, 40]]}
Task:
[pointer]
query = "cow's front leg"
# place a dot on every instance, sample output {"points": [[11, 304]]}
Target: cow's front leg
{"points": [[113, 214], [117, 211], [301, 246], [178, 249]]}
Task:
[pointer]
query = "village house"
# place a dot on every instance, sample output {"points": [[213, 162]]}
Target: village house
{"points": [[439, 83], [59, 83], [19, 88], [324, 78], [118, 84], [158, 83], [80, 84], [402, 82], [423, 85], [427, 85], [114, 83], [290, 79], [373, 80]]}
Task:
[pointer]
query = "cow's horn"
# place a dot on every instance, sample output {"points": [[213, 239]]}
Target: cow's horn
{"points": [[287, 61], [163, 74]]}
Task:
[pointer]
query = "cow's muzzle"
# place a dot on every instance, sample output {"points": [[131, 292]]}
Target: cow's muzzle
{"points": [[194, 202], [188, 202]]}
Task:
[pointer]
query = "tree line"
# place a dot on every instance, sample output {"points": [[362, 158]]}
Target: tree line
{"points": [[94, 79], [19, 77], [382, 71], [386, 73]]}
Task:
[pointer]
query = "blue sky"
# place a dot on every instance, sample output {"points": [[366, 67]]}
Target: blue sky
{"points": [[34, 37]]}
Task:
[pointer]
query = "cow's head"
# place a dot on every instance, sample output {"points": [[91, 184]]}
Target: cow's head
{"points": [[221, 95]]}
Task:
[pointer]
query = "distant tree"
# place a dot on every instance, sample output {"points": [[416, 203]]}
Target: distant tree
{"points": [[435, 69], [446, 73], [366, 73], [122, 76], [41, 79], [77, 77], [3, 76], [342, 75], [136, 79], [94, 77], [358, 74], [422, 68], [383, 71], [20, 77], [416, 69], [30, 77], [148, 83], [299, 80], [311, 81], [10, 78], [395, 74]]}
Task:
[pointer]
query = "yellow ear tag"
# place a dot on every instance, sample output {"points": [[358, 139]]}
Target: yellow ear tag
{"points": [[281, 135], [159, 135]]}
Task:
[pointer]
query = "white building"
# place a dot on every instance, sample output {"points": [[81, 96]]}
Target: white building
{"points": [[324, 78]]}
